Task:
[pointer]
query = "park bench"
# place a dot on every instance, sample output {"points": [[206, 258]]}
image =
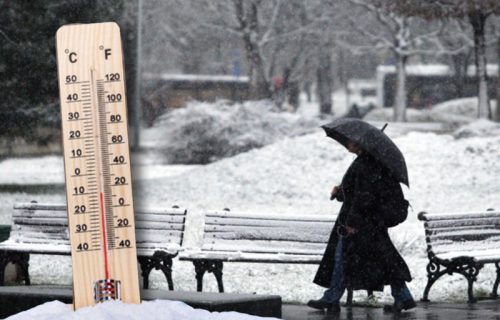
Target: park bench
{"points": [[258, 238], [43, 229], [461, 243]]}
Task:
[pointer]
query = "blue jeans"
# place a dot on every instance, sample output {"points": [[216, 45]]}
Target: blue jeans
{"points": [[337, 286]]}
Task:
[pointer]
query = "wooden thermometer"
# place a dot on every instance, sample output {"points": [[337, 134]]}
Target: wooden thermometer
{"points": [[97, 164]]}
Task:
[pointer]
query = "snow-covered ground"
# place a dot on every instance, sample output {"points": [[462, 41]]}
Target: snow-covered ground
{"points": [[295, 175], [115, 310]]}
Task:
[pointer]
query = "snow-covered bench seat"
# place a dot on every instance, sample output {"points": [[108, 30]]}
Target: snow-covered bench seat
{"points": [[43, 229], [461, 243], [261, 238]]}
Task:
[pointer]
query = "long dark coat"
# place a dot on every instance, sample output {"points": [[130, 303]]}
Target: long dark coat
{"points": [[370, 258]]}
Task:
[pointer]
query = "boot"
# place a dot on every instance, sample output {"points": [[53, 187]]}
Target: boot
{"points": [[398, 306], [322, 305]]}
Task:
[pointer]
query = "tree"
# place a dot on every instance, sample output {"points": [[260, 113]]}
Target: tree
{"points": [[397, 33], [28, 76], [476, 12], [271, 33], [496, 32]]}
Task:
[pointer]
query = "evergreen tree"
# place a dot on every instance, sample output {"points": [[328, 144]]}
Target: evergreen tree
{"points": [[29, 96]]}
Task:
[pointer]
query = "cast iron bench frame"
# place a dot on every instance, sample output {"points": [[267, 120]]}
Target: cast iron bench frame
{"points": [[43, 229], [469, 230], [234, 226]]}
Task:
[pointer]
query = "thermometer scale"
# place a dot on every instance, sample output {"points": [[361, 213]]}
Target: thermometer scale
{"points": [[97, 164]]}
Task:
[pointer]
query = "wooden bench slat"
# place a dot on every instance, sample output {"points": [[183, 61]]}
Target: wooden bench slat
{"points": [[159, 236], [461, 223], [41, 222], [161, 211], [154, 217], [465, 235], [148, 225], [264, 222], [435, 231], [465, 247], [461, 215], [251, 257], [39, 214], [286, 217], [268, 234], [265, 247]]}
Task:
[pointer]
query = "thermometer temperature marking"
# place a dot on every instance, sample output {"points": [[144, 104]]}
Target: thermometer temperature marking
{"points": [[97, 164]]}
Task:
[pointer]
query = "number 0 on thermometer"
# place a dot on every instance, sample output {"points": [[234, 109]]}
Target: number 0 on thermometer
{"points": [[97, 164]]}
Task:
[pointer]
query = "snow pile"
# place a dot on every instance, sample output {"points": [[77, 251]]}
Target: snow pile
{"points": [[453, 112], [147, 310], [387, 114], [478, 128], [457, 111], [47, 170], [204, 132]]}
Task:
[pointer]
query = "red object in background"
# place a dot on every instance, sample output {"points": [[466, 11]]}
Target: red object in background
{"points": [[277, 83]]}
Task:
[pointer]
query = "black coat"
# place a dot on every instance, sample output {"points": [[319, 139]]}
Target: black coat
{"points": [[370, 258]]}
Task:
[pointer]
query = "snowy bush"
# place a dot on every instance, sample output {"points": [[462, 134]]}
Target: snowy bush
{"points": [[204, 132], [478, 128]]}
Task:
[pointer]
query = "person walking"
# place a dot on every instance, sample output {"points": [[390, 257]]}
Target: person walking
{"points": [[360, 253]]}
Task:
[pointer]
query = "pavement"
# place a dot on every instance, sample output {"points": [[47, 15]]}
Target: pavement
{"points": [[482, 310]]}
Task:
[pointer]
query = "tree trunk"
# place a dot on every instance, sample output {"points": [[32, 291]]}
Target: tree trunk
{"points": [[325, 78], [258, 85], [400, 101], [460, 66], [477, 20], [497, 112]]}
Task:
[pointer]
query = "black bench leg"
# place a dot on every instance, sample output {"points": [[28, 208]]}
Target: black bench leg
{"points": [[199, 269], [213, 266], [21, 260], [470, 273], [494, 293], [466, 266], [218, 276], [434, 272], [159, 261], [146, 268]]}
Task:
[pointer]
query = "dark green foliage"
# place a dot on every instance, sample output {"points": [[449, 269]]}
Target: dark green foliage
{"points": [[29, 96]]}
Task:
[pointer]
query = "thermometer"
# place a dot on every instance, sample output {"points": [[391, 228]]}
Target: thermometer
{"points": [[97, 164]]}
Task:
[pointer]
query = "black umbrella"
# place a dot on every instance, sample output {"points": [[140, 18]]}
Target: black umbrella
{"points": [[372, 140]]}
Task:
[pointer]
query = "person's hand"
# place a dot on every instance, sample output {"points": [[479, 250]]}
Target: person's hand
{"points": [[350, 231], [335, 190]]}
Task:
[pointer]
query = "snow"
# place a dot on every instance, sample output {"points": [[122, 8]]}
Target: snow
{"points": [[452, 114], [420, 69], [294, 175], [147, 310], [196, 77], [478, 128], [434, 69], [29, 170]]}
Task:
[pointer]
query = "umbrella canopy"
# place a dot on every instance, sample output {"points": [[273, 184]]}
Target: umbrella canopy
{"points": [[372, 140]]}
